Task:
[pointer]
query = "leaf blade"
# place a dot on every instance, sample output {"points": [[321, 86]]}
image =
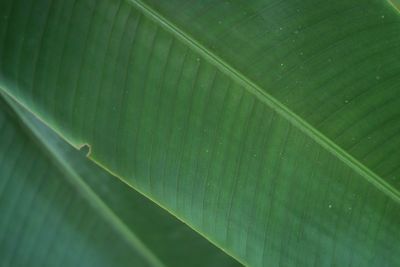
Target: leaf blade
{"points": [[204, 152], [142, 228]]}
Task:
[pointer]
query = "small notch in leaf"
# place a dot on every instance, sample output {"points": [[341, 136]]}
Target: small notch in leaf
{"points": [[85, 149]]}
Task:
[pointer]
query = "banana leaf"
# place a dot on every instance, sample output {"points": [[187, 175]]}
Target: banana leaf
{"points": [[60, 209], [270, 127]]}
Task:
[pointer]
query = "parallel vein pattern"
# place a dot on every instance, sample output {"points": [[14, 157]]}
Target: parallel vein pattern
{"points": [[335, 66], [44, 220], [160, 114], [283, 111], [44, 215]]}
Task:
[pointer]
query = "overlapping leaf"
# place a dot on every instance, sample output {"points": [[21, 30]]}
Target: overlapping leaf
{"points": [[271, 127], [72, 213]]}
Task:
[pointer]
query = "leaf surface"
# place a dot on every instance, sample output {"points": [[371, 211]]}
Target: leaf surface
{"points": [[271, 127], [49, 220]]}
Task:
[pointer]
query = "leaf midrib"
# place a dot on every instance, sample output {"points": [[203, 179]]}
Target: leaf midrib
{"points": [[270, 101]]}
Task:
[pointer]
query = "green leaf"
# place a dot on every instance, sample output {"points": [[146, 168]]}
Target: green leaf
{"points": [[74, 214], [271, 127], [45, 221]]}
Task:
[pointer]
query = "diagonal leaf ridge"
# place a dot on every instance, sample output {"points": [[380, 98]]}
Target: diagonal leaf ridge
{"points": [[270, 101]]}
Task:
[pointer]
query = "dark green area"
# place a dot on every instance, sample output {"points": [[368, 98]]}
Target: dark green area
{"points": [[271, 127], [46, 221]]}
